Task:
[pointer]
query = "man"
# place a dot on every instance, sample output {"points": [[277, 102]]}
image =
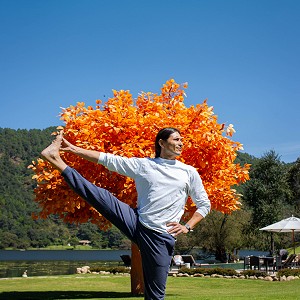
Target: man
{"points": [[163, 185]]}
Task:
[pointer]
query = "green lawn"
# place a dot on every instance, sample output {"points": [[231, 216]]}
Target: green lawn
{"points": [[118, 287]]}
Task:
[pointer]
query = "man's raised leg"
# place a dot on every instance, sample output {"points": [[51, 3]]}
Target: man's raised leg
{"points": [[117, 212]]}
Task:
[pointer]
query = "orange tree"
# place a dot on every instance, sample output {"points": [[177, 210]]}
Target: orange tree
{"points": [[127, 126]]}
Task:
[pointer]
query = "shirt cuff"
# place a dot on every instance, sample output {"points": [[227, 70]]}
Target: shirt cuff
{"points": [[101, 157], [202, 212]]}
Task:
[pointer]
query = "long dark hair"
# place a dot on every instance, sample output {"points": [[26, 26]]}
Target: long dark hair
{"points": [[163, 134]]}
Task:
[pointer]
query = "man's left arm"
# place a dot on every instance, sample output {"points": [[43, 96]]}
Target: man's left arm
{"points": [[200, 198], [192, 222]]}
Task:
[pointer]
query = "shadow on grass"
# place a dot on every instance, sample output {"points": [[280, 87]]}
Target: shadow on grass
{"points": [[63, 295]]}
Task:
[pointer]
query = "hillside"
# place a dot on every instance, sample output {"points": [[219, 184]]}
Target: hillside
{"points": [[17, 229]]}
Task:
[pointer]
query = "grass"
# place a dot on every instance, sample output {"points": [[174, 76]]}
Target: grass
{"points": [[291, 250], [90, 286]]}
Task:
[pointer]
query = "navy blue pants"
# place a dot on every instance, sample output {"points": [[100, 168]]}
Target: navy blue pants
{"points": [[156, 248]]}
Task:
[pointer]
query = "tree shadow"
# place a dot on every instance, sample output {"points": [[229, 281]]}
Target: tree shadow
{"points": [[57, 295]]}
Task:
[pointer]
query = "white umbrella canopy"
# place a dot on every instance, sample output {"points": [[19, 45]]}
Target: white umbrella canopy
{"points": [[291, 224], [285, 225]]}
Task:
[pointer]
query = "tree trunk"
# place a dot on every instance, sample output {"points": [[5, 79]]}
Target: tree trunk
{"points": [[137, 279], [221, 255]]}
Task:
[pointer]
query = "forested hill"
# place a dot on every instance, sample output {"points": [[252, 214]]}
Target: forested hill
{"points": [[17, 229], [17, 149]]}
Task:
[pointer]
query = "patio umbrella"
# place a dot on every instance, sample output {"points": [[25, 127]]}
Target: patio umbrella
{"points": [[291, 224]]}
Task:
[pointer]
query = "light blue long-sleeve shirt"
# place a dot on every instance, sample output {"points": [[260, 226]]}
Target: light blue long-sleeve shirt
{"points": [[163, 187]]}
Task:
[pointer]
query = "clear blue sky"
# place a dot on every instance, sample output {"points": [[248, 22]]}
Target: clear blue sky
{"points": [[242, 55]]}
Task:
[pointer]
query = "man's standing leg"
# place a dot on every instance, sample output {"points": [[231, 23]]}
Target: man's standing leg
{"points": [[156, 251]]}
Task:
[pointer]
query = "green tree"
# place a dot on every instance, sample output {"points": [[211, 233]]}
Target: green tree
{"points": [[267, 195], [222, 234], [267, 192], [293, 178]]}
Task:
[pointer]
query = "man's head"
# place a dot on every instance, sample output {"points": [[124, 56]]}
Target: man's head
{"points": [[168, 143]]}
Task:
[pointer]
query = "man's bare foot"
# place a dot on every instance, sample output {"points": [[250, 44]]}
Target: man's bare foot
{"points": [[52, 155]]}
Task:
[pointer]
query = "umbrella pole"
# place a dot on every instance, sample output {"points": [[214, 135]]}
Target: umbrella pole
{"points": [[293, 233], [272, 244]]}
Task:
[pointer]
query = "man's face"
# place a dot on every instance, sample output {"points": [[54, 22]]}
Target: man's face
{"points": [[172, 147]]}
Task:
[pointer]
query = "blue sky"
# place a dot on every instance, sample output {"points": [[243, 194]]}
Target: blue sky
{"points": [[241, 55]]}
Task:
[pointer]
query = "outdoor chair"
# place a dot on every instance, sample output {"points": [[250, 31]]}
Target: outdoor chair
{"points": [[256, 262], [259, 262], [189, 259], [174, 266], [177, 260], [297, 260], [126, 260], [269, 263], [247, 262], [176, 263], [288, 263]]}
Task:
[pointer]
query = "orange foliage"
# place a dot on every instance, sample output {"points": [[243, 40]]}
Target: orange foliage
{"points": [[128, 127]]}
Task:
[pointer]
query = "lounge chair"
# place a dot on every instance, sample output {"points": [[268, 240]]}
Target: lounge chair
{"points": [[189, 259], [126, 260], [288, 263], [177, 260], [175, 265], [297, 260]]}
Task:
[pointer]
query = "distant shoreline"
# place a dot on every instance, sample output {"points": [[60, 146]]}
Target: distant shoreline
{"points": [[52, 255]]}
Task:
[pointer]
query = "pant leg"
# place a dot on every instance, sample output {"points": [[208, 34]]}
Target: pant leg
{"points": [[156, 252], [117, 212]]}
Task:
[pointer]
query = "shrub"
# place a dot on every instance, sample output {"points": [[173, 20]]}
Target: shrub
{"points": [[256, 273], [209, 271], [288, 272], [113, 270]]}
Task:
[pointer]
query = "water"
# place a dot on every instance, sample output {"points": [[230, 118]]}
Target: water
{"points": [[46, 268], [70, 255], [243, 253], [13, 263]]}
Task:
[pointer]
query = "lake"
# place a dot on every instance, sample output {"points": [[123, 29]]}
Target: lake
{"points": [[13, 263], [71, 255]]}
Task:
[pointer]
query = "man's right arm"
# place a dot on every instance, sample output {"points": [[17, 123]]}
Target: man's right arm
{"points": [[122, 165]]}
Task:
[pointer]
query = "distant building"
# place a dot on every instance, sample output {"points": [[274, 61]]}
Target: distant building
{"points": [[84, 242]]}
